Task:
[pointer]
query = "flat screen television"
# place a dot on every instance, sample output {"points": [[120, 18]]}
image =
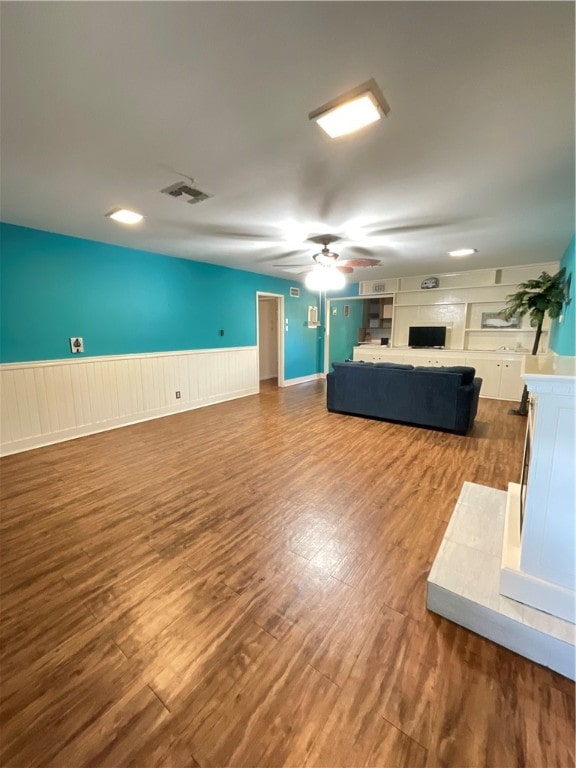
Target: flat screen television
{"points": [[426, 336]]}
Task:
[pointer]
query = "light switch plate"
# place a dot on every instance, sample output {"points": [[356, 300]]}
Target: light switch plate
{"points": [[76, 344]]}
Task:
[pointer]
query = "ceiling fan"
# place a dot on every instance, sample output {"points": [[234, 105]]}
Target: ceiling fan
{"points": [[330, 259]]}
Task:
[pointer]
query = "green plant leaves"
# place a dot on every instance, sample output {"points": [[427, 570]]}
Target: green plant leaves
{"points": [[538, 297]]}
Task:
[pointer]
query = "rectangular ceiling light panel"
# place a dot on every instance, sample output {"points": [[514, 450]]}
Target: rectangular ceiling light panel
{"points": [[124, 216], [352, 110]]}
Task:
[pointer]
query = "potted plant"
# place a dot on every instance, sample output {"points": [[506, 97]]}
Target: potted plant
{"points": [[536, 298]]}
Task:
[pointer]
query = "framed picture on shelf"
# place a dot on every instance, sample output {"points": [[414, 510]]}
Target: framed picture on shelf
{"points": [[496, 320]]}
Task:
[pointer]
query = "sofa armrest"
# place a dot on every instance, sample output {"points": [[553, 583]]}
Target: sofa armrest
{"points": [[477, 383], [467, 406], [330, 390]]}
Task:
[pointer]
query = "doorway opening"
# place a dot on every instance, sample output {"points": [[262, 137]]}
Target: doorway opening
{"points": [[356, 320], [270, 339]]}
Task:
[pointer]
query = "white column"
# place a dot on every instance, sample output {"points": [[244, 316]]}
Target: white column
{"points": [[538, 564]]}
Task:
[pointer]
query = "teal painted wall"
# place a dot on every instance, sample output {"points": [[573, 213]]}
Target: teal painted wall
{"points": [[344, 330], [349, 290], [125, 301], [562, 335]]}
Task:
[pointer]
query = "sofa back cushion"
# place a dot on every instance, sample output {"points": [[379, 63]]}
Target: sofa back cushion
{"points": [[397, 366], [352, 364], [465, 372]]}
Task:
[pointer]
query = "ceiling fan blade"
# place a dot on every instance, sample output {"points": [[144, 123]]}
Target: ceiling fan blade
{"points": [[345, 270], [405, 230], [363, 253], [320, 188], [243, 235], [358, 262], [233, 232], [287, 255]]}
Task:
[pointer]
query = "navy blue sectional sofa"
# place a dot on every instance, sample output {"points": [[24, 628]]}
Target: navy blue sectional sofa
{"points": [[442, 398]]}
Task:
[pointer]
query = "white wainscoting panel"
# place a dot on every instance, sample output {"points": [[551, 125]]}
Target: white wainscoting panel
{"points": [[46, 402]]}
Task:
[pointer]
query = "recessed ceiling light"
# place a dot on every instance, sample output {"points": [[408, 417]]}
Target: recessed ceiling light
{"points": [[463, 252], [352, 110], [124, 216]]}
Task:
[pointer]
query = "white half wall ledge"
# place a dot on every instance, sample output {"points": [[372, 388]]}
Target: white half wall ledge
{"points": [[47, 402]]}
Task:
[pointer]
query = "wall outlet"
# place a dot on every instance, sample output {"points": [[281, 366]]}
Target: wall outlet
{"points": [[76, 344], [178, 394]]}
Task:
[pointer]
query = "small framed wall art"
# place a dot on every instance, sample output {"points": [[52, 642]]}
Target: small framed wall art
{"points": [[497, 320]]}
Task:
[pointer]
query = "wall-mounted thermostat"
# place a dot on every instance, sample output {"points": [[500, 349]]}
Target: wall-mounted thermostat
{"points": [[76, 344]]}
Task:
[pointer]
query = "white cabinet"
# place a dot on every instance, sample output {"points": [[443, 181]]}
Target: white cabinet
{"points": [[489, 370], [375, 354], [500, 376], [438, 362], [365, 353], [511, 384], [395, 357]]}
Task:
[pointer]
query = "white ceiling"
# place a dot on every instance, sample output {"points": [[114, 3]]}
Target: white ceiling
{"points": [[106, 103]]}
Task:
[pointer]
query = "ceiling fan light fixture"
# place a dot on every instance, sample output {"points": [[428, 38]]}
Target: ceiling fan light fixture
{"points": [[326, 258], [352, 110], [124, 216], [324, 279]]}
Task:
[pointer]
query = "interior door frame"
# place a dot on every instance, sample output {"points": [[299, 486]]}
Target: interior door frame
{"points": [[279, 329], [328, 306]]}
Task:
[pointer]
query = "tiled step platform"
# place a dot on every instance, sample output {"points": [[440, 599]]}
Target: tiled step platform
{"points": [[464, 585]]}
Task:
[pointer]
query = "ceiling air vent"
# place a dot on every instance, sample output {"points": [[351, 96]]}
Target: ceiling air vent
{"points": [[370, 287], [187, 192]]}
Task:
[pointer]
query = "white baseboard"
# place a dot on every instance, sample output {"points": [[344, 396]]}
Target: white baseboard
{"points": [[303, 379]]}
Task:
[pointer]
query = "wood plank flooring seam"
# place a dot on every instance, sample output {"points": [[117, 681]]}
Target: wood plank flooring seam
{"points": [[154, 693], [416, 741]]}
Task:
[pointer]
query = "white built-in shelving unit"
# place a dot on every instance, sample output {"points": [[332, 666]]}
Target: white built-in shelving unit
{"points": [[458, 303]]}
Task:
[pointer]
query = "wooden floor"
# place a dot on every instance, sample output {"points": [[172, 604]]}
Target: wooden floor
{"points": [[245, 585]]}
